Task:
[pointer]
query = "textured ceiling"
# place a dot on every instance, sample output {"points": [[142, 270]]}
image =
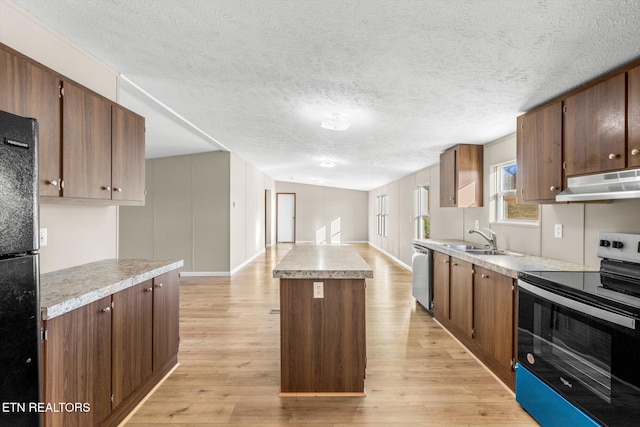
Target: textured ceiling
{"points": [[413, 77]]}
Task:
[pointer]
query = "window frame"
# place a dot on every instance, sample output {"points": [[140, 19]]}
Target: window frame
{"points": [[382, 215], [420, 192], [498, 194]]}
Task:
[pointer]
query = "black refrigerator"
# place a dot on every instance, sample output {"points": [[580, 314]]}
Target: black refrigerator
{"points": [[19, 272]]}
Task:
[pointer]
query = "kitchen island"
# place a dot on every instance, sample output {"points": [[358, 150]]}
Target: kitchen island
{"points": [[322, 320]]}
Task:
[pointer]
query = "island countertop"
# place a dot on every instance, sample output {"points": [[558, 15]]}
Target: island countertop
{"points": [[65, 290], [323, 262]]}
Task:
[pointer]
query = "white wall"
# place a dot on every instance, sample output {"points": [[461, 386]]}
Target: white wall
{"points": [[186, 213], [581, 222], [317, 206], [77, 234], [247, 211], [206, 208]]}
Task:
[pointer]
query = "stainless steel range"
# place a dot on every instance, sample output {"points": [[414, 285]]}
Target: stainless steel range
{"points": [[579, 340]]}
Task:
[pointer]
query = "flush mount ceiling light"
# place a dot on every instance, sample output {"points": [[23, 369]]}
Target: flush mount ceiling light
{"points": [[335, 122], [327, 164]]}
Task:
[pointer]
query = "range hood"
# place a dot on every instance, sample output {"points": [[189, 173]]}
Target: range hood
{"points": [[603, 186]]}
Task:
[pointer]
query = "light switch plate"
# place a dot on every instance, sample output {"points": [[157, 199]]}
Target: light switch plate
{"points": [[558, 231], [43, 237], [318, 289]]}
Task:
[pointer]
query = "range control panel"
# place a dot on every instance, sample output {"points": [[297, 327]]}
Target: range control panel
{"points": [[620, 246]]}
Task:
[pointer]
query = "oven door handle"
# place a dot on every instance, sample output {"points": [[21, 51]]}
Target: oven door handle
{"points": [[607, 316]]}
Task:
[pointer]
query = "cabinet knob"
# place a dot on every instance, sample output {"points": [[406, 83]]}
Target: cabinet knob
{"points": [[553, 188], [485, 276], [455, 263], [106, 309], [54, 182], [635, 152], [148, 290], [452, 198], [446, 261], [118, 189], [106, 188], [159, 285], [613, 156]]}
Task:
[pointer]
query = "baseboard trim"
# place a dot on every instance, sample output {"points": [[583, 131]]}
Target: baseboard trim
{"points": [[147, 396], [244, 264], [393, 258], [204, 274], [221, 273], [312, 242]]}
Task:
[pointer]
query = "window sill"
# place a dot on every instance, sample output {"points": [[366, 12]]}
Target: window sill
{"points": [[526, 224]]}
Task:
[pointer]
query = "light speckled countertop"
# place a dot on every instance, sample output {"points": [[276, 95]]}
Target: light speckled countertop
{"points": [[65, 290], [323, 262], [509, 263]]}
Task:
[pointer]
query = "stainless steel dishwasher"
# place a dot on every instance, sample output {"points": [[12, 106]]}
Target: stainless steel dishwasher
{"points": [[422, 269]]}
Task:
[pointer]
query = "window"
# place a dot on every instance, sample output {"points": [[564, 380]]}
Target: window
{"points": [[506, 207], [382, 215], [422, 212]]}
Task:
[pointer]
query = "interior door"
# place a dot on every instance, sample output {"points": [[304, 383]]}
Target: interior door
{"points": [[286, 218], [267, 218]]}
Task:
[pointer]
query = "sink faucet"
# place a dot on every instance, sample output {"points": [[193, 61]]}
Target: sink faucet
{"points": [[491, 237]]}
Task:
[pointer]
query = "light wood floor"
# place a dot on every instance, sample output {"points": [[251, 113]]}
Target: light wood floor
{"points": [[230, 371]]}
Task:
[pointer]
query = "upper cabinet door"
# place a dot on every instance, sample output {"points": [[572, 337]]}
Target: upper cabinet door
{"points": [[31, 91], [469, 169], [594, 128], [633, 116], [127, 154], [540, 153], [461, 176], [448, 177], [87, 144]]}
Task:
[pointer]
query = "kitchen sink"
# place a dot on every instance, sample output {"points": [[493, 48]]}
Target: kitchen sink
{"points": [[479, 250], [486, 252], [464, 248], [492, 252]]}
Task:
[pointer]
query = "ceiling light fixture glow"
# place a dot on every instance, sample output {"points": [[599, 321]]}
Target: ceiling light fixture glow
{"points": [[336, 121], [327, 164]]}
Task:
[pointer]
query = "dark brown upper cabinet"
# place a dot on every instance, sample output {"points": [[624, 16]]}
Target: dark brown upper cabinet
{"points": [[127, 155], [633, 117], [86, 130], [461, 176], [594, 128], [30, 91], [87, 154], [539, 145]]}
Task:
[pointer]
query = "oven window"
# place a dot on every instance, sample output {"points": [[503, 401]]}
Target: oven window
{"points": [[574, 347]]}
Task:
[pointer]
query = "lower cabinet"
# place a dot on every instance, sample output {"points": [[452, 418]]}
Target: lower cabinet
{"points": [[77, 365], [461, 295], [493, 317], [166, 320], [477, 306], [111, 353], [131, 339], [441, 285]]}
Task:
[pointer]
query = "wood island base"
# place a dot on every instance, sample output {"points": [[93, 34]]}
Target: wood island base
{"points": [[323, 347], [322, 321], [346, 394]]}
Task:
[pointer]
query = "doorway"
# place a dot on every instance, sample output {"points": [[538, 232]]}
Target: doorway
{"points": [[267, 218], [285, 217]]}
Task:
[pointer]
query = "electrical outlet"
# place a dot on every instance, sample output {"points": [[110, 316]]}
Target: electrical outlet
{"points": [[43, 237], [318, 289], [477, 223], [558, 231]]}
